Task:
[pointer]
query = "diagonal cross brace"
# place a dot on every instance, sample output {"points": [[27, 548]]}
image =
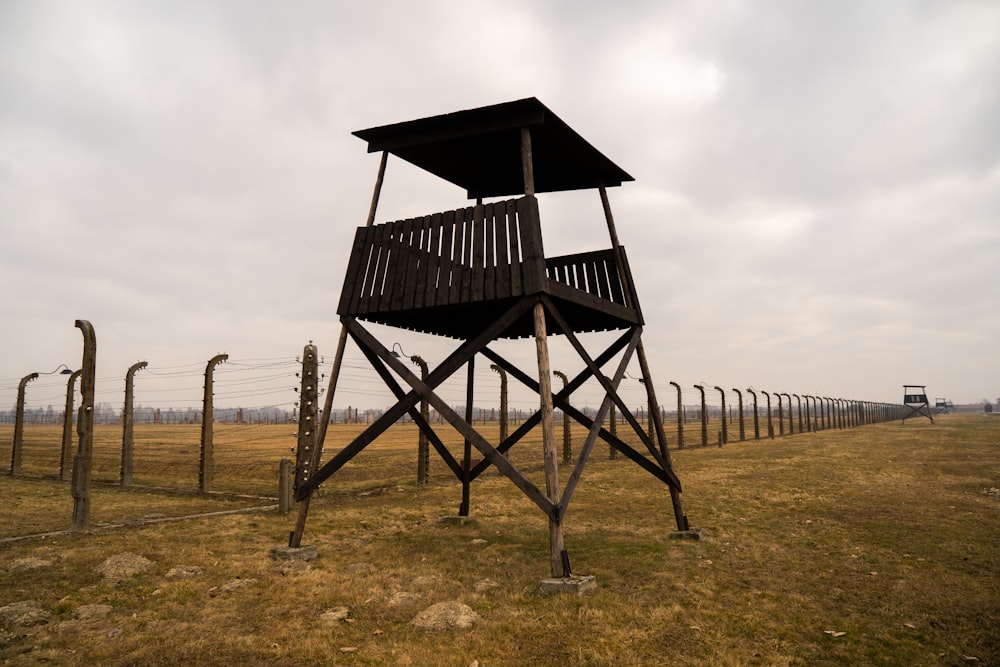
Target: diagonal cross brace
{"points": [[596, 371], [425, 391], [414, 413], [454, 361], [665, 474], [531, 383]]}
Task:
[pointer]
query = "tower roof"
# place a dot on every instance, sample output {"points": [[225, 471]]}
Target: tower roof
{"points": [[480, 150]]}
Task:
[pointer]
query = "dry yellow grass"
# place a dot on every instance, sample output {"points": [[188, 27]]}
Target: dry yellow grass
{"points": [[887, 534]]}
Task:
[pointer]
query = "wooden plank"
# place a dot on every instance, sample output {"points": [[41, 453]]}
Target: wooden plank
{"points": [[478, 239], [615, 284], [502, 281], [601, 278], [468, 240], [399, 266], [429, 271], [457, 250], [357, 267], [489, 258], [416, 261], [446, 276], [373, 294], [514, 249], [591, 273], [371, 260]]}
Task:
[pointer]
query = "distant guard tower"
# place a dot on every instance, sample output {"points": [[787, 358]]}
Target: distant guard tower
{"points": [[479, 274], [915, 398]]}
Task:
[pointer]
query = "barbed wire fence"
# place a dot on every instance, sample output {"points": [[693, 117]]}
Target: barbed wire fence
{"points": [[252, 396]]}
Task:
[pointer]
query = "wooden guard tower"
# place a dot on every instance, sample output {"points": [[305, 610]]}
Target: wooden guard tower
{"points": [[915, 398], [479, 274]]}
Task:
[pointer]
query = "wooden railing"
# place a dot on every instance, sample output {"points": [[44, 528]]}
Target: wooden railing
{"points": [[478, 253], [595, 273], [474, 254]]}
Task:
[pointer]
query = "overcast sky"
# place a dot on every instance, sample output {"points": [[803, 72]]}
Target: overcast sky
{"points": [[815, 207]]}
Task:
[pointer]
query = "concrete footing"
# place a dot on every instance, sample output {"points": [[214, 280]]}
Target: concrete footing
{"points": [[575, 584], [457, 520], [692, 534], [294, 553]]}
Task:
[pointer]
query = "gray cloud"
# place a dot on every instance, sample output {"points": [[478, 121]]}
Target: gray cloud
{"points": [[815, 203]]}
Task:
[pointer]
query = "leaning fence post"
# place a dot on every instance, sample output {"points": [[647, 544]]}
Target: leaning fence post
{"points": [[770, 426], [206, 469], [704, 416], [128, 419], [567, 445], [80, 486], [739, 396], [503, 403], [756, 416], [725, 430], [680, 418], [66, 457], [781, 416], [17, 447]]}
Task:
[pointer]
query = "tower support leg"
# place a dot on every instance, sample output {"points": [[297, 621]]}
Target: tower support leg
{"points": [[557, 549]]}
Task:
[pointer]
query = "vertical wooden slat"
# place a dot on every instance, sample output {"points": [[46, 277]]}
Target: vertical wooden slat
{"points": [[415, 262], [588, 267], [373, 294], [443, 293], [489, 258], [516, 260], [476, 287], [601, 276], [433, 265], [502, 250], [614, 280], [357, 268], [460, 292], [400, 244]]}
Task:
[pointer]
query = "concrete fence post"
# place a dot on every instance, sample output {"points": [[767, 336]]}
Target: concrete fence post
{"points": [[756, 416], [739, 397], [781, 416], [82, 461], [127, 470], [16, 450], [567, 441], [206, 467], [725, 429], [770, 425], [704, 416], [680, 417], [66, 456], [308, 413], [504, 426]]}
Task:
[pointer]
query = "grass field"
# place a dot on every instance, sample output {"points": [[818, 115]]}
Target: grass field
{"points": [[878, 545]]}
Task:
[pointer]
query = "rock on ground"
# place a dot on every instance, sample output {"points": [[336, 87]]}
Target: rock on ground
{"points": [[123, 566], [29, 563], [23, 614], [335, 614], [88, 612], [183, 572], [445, 616]]}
